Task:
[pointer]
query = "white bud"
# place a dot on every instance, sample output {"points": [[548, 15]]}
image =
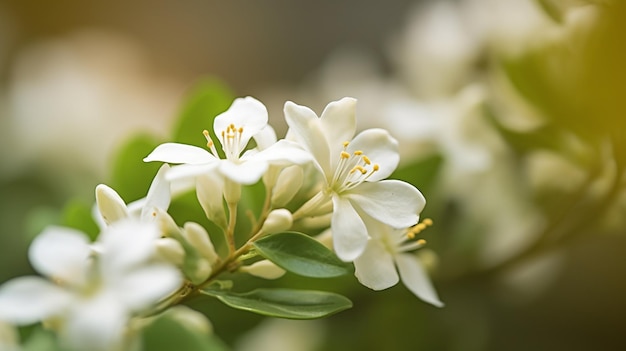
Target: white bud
{"points": [[111, 206], [170, 250], [198, 237], [209, 189], [199, 272], [9, 338], [190, 319], [325, 238], [277, 221], [287, 185], [264, 269]]}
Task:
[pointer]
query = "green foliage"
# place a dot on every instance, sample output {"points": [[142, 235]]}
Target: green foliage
{"points": [[130, 176], [285, 303], [422, 173], [42, 340], [77, 215], [166, 334], [206, 100], [301, 254]]}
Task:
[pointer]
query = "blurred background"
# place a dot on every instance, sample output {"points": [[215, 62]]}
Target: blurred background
{"points": [[510, 116]]}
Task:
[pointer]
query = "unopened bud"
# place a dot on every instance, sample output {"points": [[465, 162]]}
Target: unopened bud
{"points": [[190, 319], [110, 205], [198, 237], [171, 251], [277, 221], [287, 185], [264, 269]]}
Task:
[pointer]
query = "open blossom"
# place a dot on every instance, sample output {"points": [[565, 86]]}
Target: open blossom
{"points": [[89, 297], [354, 170], [243, 120], [388, 252]]}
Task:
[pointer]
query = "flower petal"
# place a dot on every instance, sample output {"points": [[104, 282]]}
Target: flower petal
{"points": [[338, 123], [415, 279], [375, 267], [179, 173], [209, 190], [159, 194], [61, 253], [283, 153], [349, 232], [96, 324], [143, 287], [27, 300], [246, 173], [393, 202], [111, 206], [126, 244], [265, 138], [247, 113], [381, 148], [305, 126], [180, 153]]}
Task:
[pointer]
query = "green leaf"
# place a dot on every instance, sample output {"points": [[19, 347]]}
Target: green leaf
{"points": [[422, 173], [166, 334], [131, 177], [77, 215], [285, 303], [207, 99], [301, 254]]}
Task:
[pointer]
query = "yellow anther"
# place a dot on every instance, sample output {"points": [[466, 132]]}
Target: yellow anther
{"points": [[360, 169], [240, 130], [206, 133], [419, 227], [410, 235], [427, 221], [366, 160], [375, 167], [346, 143], [345, 154], [223, 133], [231, 126], [421, 242], [209, 144], [358, 152]]}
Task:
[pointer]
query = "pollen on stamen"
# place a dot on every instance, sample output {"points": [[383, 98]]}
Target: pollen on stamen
{"points": [[346, 143], [366, 160], [375, 168], [358, 152], [345, 154], [240, 130], [421, 242]]}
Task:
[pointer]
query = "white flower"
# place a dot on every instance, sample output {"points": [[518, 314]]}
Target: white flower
{"points": [[111, 207], [388, 249], [234, 128], [353, 171], [90, 298]]}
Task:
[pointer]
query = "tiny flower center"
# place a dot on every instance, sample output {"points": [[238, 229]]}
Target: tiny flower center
{"points": [[230, 139], [352, 169]]}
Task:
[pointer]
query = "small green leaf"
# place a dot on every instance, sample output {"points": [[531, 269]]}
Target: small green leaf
{"points": [[285, 303], [301, 254], [77, 215], [421, 173]]}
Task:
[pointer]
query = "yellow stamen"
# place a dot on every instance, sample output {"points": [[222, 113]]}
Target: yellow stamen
{"points": [[428, 221], [366, 160], [421, 242], [345, 154], [206, 133], [358, 152], [346, 143], [375, 168]]}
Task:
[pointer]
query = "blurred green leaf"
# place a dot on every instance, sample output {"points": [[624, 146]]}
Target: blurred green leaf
{"points": [[165, 334], [285, 303], [77, 215], [301, 254], [421, 173], [130, 176], [41, 340], [207, 99]]}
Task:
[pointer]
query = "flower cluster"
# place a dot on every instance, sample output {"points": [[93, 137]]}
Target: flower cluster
{"points": [[97, 295]]}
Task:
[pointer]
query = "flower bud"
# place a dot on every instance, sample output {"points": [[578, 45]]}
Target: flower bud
{"points": [[190, 319], [171, 251], [287, 185], [198, 237], [110, 205], [209, 191], [264, 269], [277, 221]]}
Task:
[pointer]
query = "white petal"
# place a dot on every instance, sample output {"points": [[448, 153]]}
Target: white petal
{"points": [[27, 300], [159, 194], [265, 138], [415, 279], [375, 267], [61, 253], [246, 173], [305, 126], [180, 153], [209, 189], [248, 113], [349, 232], [381, 148], [338, 122], [283, 153], [392, 202], [264, 269], [96, 324], [180, 173], [110, 205], [145, 286], [126, 244]]}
